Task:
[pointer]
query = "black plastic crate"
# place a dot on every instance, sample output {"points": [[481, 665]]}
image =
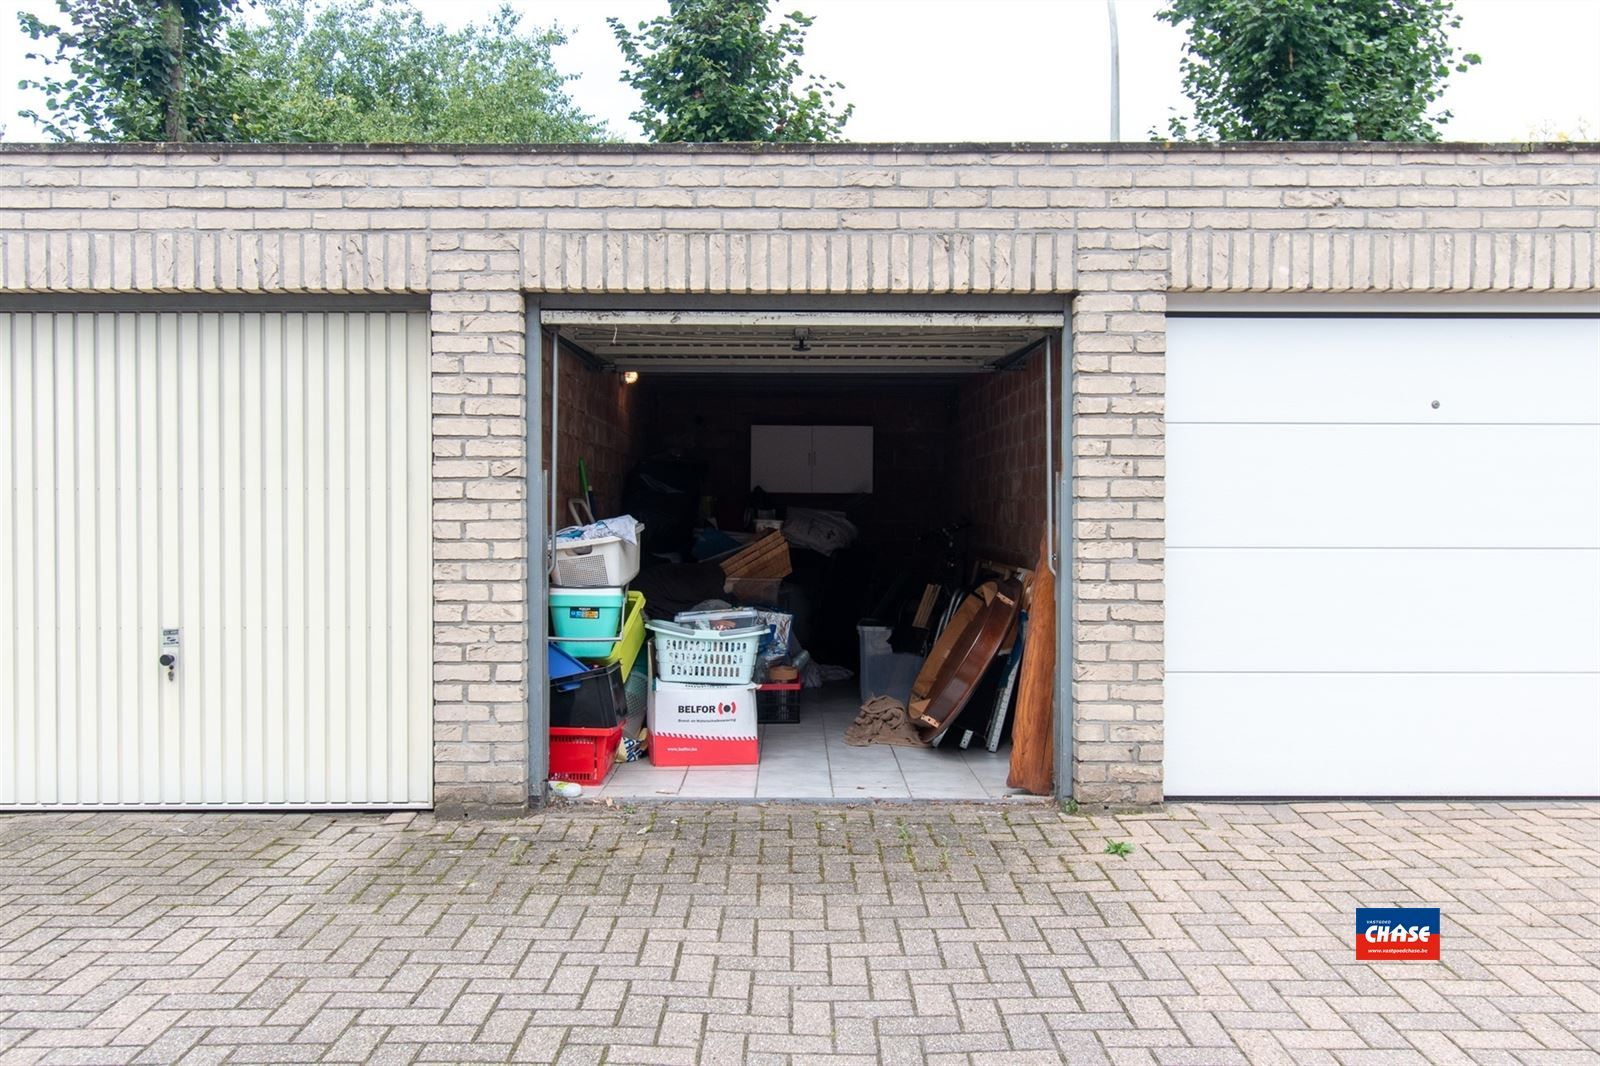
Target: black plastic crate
{"points": [[778, 704], [638, 686], [593, 700]]}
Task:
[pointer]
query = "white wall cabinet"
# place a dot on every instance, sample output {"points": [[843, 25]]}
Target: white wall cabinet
{"points": [[815, 459]]}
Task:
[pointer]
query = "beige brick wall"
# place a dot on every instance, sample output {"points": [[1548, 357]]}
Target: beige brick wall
{"points": [[479, 533], [1117, 228]]}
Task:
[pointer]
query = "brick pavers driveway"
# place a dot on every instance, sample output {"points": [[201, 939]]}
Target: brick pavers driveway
{"points": [[750, 934]]}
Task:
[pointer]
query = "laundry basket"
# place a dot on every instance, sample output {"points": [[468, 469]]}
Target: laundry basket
{"points": [[705, 656], [604, 561]]}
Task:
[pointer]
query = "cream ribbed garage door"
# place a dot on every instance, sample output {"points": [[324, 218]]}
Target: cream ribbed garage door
{"points": [[1383, 556], [247, 493]]}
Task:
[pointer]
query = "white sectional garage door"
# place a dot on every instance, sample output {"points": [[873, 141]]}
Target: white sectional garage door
{"points": [[247, 492], [1383, 556]]}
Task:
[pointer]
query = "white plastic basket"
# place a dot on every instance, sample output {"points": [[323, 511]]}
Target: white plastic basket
{"points": [[608, 562], [704, 656]]}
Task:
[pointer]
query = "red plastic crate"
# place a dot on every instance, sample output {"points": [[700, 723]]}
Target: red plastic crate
{"points": [[778, 702], [583, 756]]}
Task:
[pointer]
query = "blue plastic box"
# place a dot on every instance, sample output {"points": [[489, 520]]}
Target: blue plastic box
{"points": [[563, 666]]}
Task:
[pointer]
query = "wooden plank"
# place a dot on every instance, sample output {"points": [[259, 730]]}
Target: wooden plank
{"points": [[1033, 730], [767, 557], [924, 615]]}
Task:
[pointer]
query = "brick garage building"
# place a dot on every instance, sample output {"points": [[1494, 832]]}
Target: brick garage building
{"points": [[440, 252]]}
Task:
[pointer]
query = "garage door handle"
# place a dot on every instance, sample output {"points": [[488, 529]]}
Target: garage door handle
{"points": [[170, 661]]}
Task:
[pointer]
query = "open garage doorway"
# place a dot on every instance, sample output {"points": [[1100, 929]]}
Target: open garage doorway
{"points": [[865, 481]]}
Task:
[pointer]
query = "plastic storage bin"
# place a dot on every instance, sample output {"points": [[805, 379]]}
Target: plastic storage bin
{"points": [[719, 621], [637, 689], [596, 699], [626, 650], [562, 665], [705, 657], [885, 672], [586, 622], [608, 561], [583, 755], [778, 703]]}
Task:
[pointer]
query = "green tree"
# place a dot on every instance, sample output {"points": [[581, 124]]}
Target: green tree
{"points": [[359, 71], [710, 70], [135, 70], [1315, 70]]}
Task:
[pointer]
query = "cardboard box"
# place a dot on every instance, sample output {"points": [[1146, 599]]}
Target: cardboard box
{"points": [[703, 725]]}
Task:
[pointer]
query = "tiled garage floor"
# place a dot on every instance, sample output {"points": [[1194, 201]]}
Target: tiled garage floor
{"points": [[810, 760]]}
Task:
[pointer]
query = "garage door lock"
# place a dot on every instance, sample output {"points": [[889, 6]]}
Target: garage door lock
{"points": [[170, 639]]}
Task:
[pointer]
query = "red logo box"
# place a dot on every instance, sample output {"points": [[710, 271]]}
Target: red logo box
{"points": [[1397, 934]]}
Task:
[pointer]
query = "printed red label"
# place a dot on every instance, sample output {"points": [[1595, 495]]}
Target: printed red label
{"points": [[668, 750]]}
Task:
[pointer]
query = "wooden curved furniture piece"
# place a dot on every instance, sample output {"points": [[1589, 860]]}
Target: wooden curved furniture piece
{"points": [[969, 659]]}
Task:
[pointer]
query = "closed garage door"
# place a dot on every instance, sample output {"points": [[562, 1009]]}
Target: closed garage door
{"points": [[1383, 556], [247, 493]]}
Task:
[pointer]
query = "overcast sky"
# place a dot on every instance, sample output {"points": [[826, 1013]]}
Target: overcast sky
{"points": [[1028, 70]]}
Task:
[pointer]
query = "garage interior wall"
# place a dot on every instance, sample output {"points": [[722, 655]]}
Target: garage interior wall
{"points": [[999, 467], [980, 438], [705, 416], [600, 423]]}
